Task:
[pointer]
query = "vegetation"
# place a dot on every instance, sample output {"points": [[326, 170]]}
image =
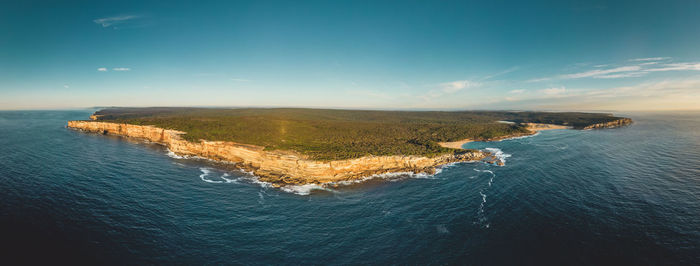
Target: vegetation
{"points": [[326, 134]]}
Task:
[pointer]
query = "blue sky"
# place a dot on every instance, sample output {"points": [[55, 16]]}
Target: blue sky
{"points": [[539, 55]]}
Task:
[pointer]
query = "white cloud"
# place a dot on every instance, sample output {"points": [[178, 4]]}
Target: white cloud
{"points": [[646, 66], [538, 80], [648, 63], [121, 69], [553, 91], [448, 88], [517, 91], [455, 86], [621, 75], [66, 86], [102, 69], [241, 80], [674, 94], [501, 73], [649, 59], [116, 20], [601, 72], [676, 67]]}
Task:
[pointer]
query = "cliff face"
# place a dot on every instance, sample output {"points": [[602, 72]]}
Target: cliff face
{"points": [[612, 124], [278, 167]]}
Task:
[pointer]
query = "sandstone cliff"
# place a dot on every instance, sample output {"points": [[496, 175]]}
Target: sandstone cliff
{"points": [[612, 124], [279, 167]]}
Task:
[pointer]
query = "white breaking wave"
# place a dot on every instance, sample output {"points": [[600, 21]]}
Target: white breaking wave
{"points": [[520, 137], [303, 189], [499, 154], [485, 171], [307, 188], [224, 177], [391, 177], [482, 219], [206, 172], [171, 154]]}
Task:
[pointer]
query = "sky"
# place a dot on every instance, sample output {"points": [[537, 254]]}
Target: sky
{"points": [[440, 55]]}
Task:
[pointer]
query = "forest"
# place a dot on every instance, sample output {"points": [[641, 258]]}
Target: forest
{"points": [[332, 134]]}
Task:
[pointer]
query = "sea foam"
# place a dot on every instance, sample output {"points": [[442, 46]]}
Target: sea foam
{"points": [[498, 153], [205, 173], [306, 189]]}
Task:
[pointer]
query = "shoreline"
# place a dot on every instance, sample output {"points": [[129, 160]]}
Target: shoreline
{"points": [[455, 144], [534, 128], [281, 168]]}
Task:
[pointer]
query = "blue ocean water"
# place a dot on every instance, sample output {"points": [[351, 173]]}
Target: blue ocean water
{"points": [[628, 195]]}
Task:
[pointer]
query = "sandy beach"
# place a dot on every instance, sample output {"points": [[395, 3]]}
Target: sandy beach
{"points": [[534, 127], [538, 127], [455, 144]]}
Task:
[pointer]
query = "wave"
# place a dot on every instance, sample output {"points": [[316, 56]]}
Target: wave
{"points": [[499, 154], [224, 177], [205, 173], [391, 177], [304, 189], [308, 188], [482, 219], [519, 137], [173, 155]]}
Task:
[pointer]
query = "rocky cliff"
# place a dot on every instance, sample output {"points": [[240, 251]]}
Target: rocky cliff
{"points": [[279, 167], [612, 124]]}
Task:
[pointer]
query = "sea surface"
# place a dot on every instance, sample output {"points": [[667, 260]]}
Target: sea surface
{"points": [[565, 197]]}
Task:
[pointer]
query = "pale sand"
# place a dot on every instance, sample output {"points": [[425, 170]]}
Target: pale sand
{"points": [[534, 127], [455, 144], [538, 127]]}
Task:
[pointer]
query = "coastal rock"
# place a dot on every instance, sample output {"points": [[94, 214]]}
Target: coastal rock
{"points": [[279, 167], [612, 124]]}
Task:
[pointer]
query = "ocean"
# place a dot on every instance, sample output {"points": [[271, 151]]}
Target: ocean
{"points": [[617, 196]]}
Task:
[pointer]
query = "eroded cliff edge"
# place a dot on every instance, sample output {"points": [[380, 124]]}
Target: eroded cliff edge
{"points": [[612, 124], [279, 167]]}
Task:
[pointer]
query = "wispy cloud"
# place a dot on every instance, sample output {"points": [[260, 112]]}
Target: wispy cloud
{"points": [[553, 91], [621, 75], [116, 20], [676, 67], [674, 94], [455, 86], [643, 67], [538, 80], [66, 86], [448, 88], [649, 59], [121, 69], [600, 72], [501, 73], [241, 80], [517, 91], [102, 69]]}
